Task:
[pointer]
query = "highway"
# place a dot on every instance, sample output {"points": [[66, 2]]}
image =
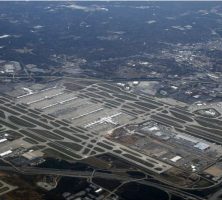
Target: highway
{"points": [[96, 174], [217, 195], [69, 173]]}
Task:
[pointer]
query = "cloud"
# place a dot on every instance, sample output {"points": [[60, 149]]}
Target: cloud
{"points": [[86, 8]]}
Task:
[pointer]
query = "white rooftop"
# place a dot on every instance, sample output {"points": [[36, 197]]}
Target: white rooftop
{"points": [[5, 153], [3, 140], [176, 158], [201, 146]]}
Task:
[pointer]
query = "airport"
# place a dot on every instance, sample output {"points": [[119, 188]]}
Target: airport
{"points": [[79, 120]]}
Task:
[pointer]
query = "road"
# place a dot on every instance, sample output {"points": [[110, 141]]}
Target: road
{"points": [[96, 174], [69, 173], [217, 195]]}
